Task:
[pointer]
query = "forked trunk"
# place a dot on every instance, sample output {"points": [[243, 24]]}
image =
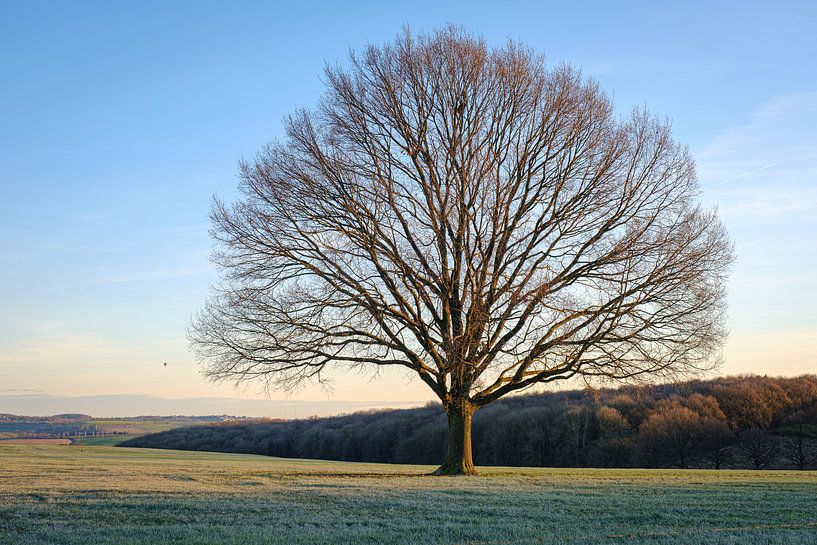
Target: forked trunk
{"points": [[458, 459]]}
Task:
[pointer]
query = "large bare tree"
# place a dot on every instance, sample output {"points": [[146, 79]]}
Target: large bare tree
{"points": [[472, 215]]}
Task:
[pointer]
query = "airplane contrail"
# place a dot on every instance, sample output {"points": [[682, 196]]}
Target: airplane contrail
{"points": [[739, 176]]}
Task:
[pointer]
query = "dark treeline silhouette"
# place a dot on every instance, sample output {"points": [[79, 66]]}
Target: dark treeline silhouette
{"points": [[736, 422]]}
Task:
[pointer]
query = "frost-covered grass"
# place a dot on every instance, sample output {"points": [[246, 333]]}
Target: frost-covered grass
{"points": [[94, 494]]}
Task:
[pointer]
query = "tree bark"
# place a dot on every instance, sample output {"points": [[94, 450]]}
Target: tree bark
{"points": [[458, 459]]}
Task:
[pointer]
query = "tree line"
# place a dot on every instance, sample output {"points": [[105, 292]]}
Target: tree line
{"points": [[732, 422]]}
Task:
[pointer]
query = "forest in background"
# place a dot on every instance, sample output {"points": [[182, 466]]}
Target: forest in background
{"points": [[730, 422]]}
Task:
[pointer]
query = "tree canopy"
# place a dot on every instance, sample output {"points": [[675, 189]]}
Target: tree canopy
{"points": [[475, 216]]}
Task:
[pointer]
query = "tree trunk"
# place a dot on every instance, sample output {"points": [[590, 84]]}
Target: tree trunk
{"points": [[458, 460]]}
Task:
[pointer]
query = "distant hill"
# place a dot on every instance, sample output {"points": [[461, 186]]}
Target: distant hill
{"points": [[130, 405], [746, 421], [72, 416], [80, 426]]}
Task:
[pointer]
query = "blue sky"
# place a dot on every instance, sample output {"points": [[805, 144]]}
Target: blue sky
{"points": [[120, 120]]}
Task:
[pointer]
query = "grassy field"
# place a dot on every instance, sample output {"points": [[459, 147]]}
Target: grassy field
{"points": [[145, 424], [107, 441], [24, 441], [96, 494]]}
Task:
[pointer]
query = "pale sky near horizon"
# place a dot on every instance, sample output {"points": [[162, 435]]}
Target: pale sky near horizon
{"points": [[119, 121]]}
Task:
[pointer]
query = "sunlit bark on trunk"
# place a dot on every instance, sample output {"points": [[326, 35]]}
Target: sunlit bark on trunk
{"points": [[458, 458]]}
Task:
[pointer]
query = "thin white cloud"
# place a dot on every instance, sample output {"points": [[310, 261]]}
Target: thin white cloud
{"points": [[745, 174], [780, 134], [43, 349], [756, 202], [781, 138], [762, 176], [22, 391]]}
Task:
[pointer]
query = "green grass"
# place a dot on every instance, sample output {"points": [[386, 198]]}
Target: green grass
{"points": [[109, 441], [89, 494], [145, 424]]}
